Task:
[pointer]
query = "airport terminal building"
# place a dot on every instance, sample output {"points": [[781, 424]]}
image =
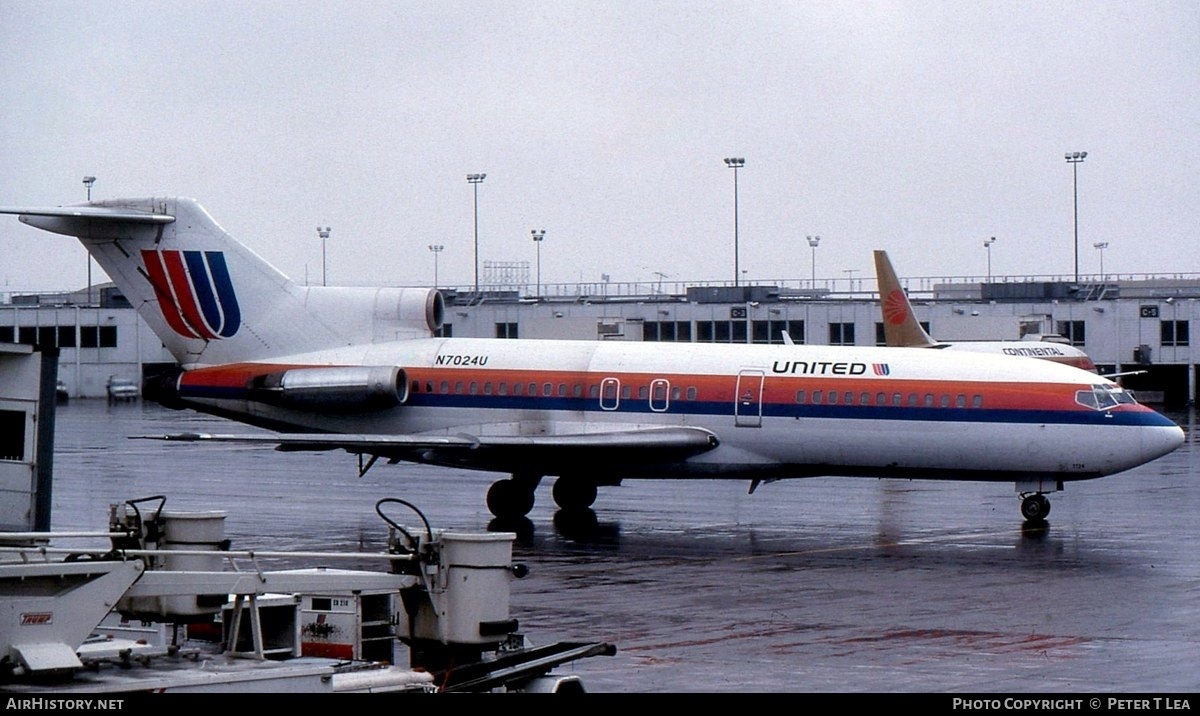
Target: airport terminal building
{"points": [[1141, 323]]}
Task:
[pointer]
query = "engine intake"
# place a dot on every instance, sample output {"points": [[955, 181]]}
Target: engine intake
{"points": [[339, 389]]}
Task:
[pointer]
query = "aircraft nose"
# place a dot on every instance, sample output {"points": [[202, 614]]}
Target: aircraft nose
{"points": [[1163, 440]]}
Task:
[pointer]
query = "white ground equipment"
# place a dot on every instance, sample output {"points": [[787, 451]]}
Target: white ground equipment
{"points": [[174, 581]]}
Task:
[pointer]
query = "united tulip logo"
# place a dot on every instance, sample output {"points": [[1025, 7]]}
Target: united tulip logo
{"points": [[194, 292]]}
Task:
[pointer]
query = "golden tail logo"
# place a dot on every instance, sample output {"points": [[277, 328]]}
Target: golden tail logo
{"points": [[900, 325]]}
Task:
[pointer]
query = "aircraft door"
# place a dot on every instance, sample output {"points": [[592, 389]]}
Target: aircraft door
{"points": [[659, 392], [747, 405], [610, 393]]}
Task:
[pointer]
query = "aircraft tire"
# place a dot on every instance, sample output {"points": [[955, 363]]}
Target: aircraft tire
{"points": [[1034, 508], [508, 498], [573, 494]]}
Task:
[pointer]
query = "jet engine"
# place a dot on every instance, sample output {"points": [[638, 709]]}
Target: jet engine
{"points": [[334, 388]]}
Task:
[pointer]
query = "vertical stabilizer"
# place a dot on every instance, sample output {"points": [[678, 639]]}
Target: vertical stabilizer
{"points": [[210, 299], [900, 325]]}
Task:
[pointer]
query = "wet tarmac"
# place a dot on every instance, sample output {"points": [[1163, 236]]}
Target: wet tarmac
{"points": [[819, 585]]}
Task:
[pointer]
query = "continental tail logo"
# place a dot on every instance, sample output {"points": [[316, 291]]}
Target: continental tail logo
{"points": [[895, 307], [194, 292]]}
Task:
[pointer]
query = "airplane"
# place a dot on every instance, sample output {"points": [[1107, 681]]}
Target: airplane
{"points": [[361, 370], [901, 328]]}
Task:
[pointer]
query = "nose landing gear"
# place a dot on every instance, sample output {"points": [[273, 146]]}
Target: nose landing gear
{"points": [[1035, 507]]}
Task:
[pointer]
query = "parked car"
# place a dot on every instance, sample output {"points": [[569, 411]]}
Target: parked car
{"points": [[121, 389]]}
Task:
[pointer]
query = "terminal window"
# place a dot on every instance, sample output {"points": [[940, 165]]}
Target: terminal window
{"points": [[841, 334], [1175, 333], [1073, 331], [772, 331]]}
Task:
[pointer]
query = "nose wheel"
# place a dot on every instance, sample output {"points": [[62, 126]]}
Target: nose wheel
{"points": [[1035, 507]]}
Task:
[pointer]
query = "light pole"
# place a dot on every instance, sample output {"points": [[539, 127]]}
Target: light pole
{"points": [[1075, 159], [436, 249], [323, 232], [1101, 246], [735, 163], [987, 244], [813, 241], [538, 235], [475, 180], [88, 182]]}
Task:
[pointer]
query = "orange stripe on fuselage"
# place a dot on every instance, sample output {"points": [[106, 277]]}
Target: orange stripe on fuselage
{"points": [[777, 389]]}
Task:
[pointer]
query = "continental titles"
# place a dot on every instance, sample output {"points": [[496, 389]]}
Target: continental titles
{"points": [[1038, 352]]}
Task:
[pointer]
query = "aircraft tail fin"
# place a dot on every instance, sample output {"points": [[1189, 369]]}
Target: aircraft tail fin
{"points": [[210, 299], [900, 325]]}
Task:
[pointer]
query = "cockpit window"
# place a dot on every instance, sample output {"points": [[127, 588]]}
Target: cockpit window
{"points": [[1103, 397]]}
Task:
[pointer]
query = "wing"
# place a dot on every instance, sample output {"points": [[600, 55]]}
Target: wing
{"points": [[544, 454]]}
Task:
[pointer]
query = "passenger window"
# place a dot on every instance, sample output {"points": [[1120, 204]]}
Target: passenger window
{"points": [[594, 391], [675, 393], [912, 400], [691, 392], [945, 401], [881, 398], [429, 386], [562, 390], [626, 391], [816, 397], [445, 387], [960, 401], [518, 388], [532, 389], [487, 388], [458, 387], [502, 388], [416, 386], [547, 389], [896, 399], [977, 401], [643, 392], [848, 398], [833, 398], [800, 396], [929, 400], [577, 390], [864, 398], [474, 388]]}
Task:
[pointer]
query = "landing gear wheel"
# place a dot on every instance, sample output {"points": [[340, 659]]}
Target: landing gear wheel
{"points": [[509, 498], [573, 494], [1034, 508]]}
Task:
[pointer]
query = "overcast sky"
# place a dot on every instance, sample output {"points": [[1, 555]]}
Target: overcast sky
{"points": [[918, 127]]}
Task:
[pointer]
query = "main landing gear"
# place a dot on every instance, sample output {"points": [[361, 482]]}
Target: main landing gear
{"points": [[514, 497], [1035, 507]]}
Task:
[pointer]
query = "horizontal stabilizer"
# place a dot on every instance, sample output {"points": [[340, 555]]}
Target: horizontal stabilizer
{"points": [[83, 220]]}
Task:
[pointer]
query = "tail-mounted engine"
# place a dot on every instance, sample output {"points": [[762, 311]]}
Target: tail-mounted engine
{"points": [[338, 389]]}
